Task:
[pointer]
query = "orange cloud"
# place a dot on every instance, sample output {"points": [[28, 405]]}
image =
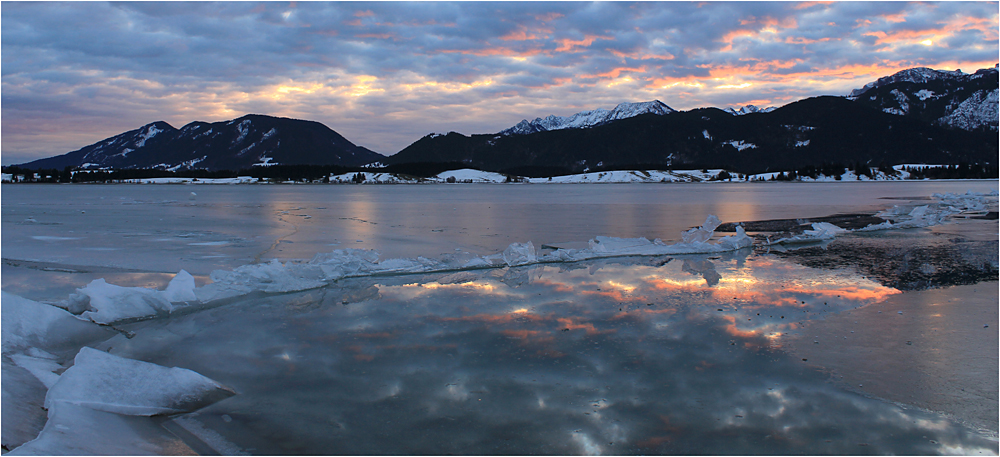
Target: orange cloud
{"points": [[894, 18], [519, 35], [907, 36], [365, 13], [804, 5], [567, 44], [988, 27]]}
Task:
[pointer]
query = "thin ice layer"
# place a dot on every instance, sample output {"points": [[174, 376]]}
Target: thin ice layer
{"points": [[106, 382]]}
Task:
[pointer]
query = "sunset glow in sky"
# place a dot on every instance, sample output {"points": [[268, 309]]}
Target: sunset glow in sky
{"points": [[385, 74]]}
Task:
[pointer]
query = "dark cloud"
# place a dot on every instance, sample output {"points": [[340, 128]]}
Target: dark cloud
{"points": [[422, 65]]}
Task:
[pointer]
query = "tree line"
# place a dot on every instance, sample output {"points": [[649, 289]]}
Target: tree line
{"points": [[321, 173]]}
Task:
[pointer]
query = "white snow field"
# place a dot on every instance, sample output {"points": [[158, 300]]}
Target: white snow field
{"points": [[66, 354]]}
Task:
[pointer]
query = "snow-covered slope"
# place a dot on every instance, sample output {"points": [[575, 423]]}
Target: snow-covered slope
{"points": [[585, 119], [912, 75], [977, 110], [947, 98]]}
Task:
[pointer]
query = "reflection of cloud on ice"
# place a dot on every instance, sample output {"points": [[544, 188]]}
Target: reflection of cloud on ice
{"points": [[462, 369]]}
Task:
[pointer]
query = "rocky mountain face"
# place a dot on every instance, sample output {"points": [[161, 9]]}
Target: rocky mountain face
{"points": [[251, 140], [947, 98]]}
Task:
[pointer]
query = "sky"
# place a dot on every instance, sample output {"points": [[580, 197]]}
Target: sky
{"points": [[384, 74]]}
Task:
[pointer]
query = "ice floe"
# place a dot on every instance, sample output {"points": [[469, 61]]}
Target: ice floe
{"points": [[92, 407], [106, 382]]}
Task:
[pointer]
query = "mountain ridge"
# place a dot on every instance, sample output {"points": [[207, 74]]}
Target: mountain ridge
{"points": [[247, 141], [587, 119]]}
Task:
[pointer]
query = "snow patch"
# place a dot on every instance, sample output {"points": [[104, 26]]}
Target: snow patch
{"points": [[244, 129], [150, 132], [740, 144]]}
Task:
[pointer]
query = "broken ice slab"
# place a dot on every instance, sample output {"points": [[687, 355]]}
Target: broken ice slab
{"points": [[27, 323], [106, 382], [78, 430]]}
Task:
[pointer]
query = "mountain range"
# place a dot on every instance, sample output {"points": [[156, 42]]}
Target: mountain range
{"points": [[918, 115]]}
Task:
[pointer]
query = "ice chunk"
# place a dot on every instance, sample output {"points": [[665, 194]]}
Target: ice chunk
{"points": [[28, 323], [180, 288], [703, 233], [77, 430], [733, 242], [105, 382], [23, 395], [607, 244], [110, 303], [40, 364], [519, 254], [821, 231], [273, 277]]}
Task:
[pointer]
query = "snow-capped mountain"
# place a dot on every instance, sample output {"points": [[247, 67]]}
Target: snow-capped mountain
{"points": [[252, 140], [810, 132], [749, 109], [948, 98], [585, 119], [919, 75]]}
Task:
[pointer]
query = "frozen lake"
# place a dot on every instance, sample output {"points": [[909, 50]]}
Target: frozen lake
{"points": [[164, 228], [717, 353]]}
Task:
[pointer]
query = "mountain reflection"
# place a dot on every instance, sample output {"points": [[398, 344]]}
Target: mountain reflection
{"points": [[621, 356]]}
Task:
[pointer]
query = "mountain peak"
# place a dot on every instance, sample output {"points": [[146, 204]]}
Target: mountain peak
{"points": [[749, 109], [586, 119], [919, 75]]}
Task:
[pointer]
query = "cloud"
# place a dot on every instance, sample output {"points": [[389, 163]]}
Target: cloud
{"points": [[93, 70]]}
